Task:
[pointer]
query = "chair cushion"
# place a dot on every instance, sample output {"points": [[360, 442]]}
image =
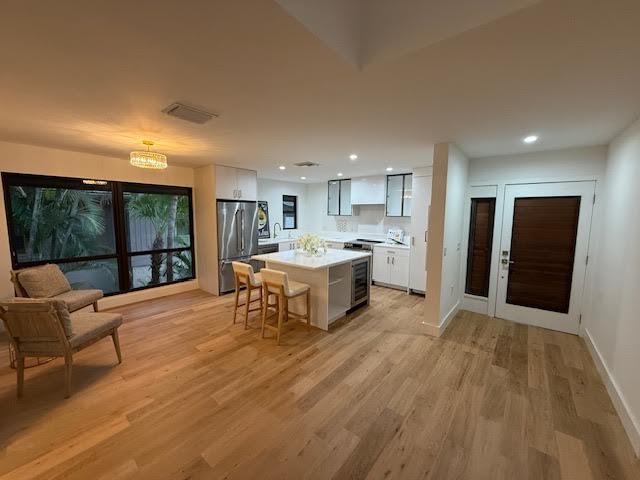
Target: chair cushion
{"points": [[63, 314], [59, 306], [43, 282], [257, 280], [89, 325], [296, 288], [77, 299]]}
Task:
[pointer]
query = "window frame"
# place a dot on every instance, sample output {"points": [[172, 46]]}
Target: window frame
{"points": [[117, 189], [286, 198]]}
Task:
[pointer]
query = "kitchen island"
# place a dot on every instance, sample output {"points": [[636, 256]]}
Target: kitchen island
{"points": [[339, 280]]}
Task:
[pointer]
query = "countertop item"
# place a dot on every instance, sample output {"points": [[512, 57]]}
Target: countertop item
{"points": [[301, 260], [392, 245]]}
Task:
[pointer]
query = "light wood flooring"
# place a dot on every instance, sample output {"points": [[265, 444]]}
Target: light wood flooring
{"points": [[375, 398]]}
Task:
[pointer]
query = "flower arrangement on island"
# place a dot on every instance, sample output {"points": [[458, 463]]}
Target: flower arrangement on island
{"points": [[312, 244]]}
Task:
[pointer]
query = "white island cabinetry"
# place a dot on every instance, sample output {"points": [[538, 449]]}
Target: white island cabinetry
{"points": [[330, 278]]}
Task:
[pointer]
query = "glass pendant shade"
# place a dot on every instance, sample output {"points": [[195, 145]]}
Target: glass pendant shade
{"points": [[148, 159]]}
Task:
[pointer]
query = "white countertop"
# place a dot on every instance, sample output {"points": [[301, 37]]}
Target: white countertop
{"points": [[298, 259], [340, 237]]}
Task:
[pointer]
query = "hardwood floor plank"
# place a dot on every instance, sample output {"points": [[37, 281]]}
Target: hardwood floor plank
{"points": [[197, 397]]}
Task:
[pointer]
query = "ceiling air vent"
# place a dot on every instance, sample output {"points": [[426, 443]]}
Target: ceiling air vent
{"points": [[306, 164], [190, 114]]}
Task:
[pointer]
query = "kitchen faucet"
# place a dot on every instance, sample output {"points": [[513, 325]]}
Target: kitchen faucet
{"points": [[275, 234]]}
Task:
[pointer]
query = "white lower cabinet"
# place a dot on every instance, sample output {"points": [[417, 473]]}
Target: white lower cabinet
{"points": [[287, 245], [391, 266]]}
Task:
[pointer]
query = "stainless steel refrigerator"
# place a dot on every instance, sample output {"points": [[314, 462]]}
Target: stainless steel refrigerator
{"points": [[237, 238]]}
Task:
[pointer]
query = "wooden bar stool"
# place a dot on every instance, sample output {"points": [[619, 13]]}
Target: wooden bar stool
{"points": [[277, 283], [244, 276]]}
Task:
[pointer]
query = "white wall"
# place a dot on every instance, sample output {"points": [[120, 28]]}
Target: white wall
{"points": [[554, 165], [452, 289], [613, 324], [205, 213], [272, 191], [444, 271], [18, 158], [369, 219]]}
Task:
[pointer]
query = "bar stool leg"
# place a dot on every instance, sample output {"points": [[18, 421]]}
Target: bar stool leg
{"points": [[265, 306], [281, 313], [237, 297], [308, 295], [246, 305]]}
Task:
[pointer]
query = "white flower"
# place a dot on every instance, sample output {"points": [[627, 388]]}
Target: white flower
{"points": [[312, 244]]}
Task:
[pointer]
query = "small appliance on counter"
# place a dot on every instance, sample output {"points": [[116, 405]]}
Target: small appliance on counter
{"points": [[395, 235]]}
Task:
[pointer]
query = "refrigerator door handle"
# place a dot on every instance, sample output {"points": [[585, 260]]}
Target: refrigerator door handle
{"points": [[242, 228], [237, 230]]}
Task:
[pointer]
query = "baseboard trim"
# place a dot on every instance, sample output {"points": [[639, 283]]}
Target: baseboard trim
{"points": [[147, 294], [629, 422], [438, 330]]}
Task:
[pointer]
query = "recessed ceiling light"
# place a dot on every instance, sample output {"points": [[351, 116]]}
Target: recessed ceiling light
{"points": [[340, 174], [530, 139], [303, 178], [353, 156], [389, 169], [282, 167]]}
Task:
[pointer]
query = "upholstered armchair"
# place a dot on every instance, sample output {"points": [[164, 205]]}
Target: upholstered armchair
{"points": [[48, 281], [45, 328]]}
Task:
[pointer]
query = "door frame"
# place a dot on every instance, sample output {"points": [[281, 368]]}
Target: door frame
{"points": [[473, 303], [497, 182], [569, 322]]}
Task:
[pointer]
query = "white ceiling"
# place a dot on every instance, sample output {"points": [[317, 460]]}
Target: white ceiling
{"points": [[94, 76]]}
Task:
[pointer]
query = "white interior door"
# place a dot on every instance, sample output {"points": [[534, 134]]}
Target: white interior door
{"points": [[543, 253]]}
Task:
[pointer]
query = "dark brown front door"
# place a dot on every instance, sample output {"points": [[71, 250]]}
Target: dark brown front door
{"points": [[543, 244]]}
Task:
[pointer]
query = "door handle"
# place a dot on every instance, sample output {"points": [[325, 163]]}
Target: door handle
{"points": [[242, 228], [393, 261], [387, 260], [237, 230], [425, 236]]}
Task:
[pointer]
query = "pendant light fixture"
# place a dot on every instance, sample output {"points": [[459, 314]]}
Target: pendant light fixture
{"points": [[148, 159]]}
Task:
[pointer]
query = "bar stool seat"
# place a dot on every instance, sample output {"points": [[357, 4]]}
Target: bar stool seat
{"points": [[296, 288], [245, 277], [257, 280], [276, 283]]}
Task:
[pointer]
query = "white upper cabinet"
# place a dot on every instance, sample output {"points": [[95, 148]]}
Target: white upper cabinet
{"points": [[345, 197], [236, 183], [339, 197], [247, 184], [333, 199], [399, 195], [368, 190]]}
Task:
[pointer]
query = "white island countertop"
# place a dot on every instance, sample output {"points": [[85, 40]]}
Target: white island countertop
{"points": [[298, 259]]}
